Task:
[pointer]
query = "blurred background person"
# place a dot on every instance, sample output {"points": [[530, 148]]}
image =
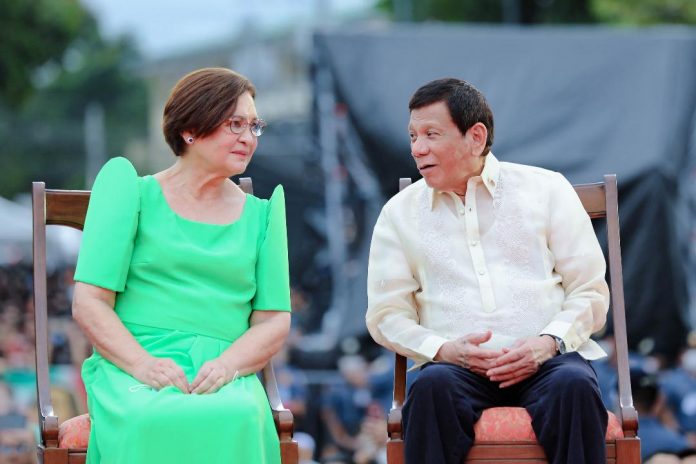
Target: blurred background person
{"points": [[679, 387], [17, 444], [656, 437]]}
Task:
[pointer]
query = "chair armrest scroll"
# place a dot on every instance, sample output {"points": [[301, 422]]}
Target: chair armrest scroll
{"points": [[394, 424], [394, 419], [282, 416]]}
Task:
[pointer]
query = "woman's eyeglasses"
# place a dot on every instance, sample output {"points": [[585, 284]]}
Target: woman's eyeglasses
{"points": [[238, 124]]}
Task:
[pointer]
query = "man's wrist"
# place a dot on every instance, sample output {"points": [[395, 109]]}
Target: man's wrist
{"points": [[559, 344], [441, 353]]}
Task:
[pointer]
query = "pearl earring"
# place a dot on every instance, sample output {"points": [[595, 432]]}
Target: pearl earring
{"points": [[189, 140]]}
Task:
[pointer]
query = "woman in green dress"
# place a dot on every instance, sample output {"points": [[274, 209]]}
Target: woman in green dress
{"points": [[182, 288]]}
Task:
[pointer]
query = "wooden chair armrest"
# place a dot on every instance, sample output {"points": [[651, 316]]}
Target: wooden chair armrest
{"points": [[394, 418], [284, 423], [282, 416], [394, 424], [49, 430], [628, 413], [48, 422], [629, 421]]}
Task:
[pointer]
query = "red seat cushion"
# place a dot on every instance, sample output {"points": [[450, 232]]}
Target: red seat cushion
{"points": [[496, 424], [74, 433], [514, 424]]}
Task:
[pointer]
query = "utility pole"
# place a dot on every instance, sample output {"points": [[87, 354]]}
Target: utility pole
{"points": [[512, 13], [95, 141]]}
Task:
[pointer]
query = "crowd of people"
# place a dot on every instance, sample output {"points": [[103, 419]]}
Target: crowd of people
{"points": [[351, 405], [665, 398], [353, 402]]}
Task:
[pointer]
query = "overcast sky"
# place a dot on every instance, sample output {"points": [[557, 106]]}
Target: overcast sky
{"points": [[163, 27]]}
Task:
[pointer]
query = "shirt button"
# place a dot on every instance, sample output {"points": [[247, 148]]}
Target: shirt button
{"points": [[474, 243], [482, 272]]}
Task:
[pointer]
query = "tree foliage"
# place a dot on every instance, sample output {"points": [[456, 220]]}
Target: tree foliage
{"points": [[43, 128], [34, 33]]}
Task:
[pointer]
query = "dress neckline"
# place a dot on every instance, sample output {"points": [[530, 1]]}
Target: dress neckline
{"points": [[163, 198]]}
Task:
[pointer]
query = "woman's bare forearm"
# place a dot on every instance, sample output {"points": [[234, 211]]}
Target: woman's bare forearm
{"points": [[93, 310], [266, 336]]}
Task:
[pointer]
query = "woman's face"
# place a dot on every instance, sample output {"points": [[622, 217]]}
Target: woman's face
{"points": [[223, 151]]}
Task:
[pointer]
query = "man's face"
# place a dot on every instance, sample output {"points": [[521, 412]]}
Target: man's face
{"points": [[445, 157]]}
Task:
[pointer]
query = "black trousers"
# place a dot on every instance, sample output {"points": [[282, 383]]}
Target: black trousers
{"points": [[562, 398]]}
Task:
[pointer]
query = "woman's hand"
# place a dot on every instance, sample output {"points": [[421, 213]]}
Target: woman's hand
{"points": [[160, 373], [212, 376]]}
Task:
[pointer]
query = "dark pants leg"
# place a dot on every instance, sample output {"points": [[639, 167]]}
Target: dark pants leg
{"points": [[563, 399], [442, 406], [568, 416]]}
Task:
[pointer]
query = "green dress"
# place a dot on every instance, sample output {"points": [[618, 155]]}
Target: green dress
{"points": [[185, 290]]}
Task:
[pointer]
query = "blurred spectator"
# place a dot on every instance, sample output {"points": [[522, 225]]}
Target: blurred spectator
{"points": [[16, 436], [664, 458], [656, 438], [353, 411], [67, 345], [607, 373], [372, 439], [347, 402], [306, 445], [679, 386], [292, 387]]}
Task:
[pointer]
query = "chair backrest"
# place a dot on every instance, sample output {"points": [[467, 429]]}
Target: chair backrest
{"points": [[69, 208], [600, 201]]}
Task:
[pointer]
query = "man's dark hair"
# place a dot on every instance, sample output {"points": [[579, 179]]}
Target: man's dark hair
{"points": [[466, 104]]}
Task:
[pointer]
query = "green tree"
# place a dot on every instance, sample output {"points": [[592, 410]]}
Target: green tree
{"points": [[643, 12], [32, 34], [44, 136]]}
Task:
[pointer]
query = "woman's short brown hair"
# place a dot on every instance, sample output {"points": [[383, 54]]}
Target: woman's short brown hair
{"points": [[199, 102]]}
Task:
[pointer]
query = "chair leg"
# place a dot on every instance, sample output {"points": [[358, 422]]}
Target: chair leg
{"points": [[395, 451], [289, 452], [627, 451], [53, 455]]}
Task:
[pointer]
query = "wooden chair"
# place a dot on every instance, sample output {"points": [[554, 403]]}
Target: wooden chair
{"points": [[68, 208], [623, 447]]}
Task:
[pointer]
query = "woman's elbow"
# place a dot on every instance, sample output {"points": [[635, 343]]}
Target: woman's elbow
{"points": [[78, 309], [87, 299], [283, 326]]}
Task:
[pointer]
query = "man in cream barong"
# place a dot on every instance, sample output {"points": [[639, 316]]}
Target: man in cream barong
{"points": [[489, 276]]}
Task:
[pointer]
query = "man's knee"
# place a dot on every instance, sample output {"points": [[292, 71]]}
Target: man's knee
{"points": [[574, 378], [433, 379]]}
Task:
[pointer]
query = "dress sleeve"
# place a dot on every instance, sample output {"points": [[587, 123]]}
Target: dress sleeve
{"points": [[272, 273], [110, 227]]}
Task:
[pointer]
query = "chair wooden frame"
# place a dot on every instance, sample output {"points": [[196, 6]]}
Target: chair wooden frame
{"points": [[69, 208], [600, 201]]}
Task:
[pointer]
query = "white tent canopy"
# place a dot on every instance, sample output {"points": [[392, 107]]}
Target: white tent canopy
{"points": [[62, 243]]}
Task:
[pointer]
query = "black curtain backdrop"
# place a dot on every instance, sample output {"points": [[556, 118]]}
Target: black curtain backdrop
{"points": [[584, 101]]}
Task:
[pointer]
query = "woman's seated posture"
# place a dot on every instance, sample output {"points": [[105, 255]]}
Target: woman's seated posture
{"points": [[182, 288]]}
